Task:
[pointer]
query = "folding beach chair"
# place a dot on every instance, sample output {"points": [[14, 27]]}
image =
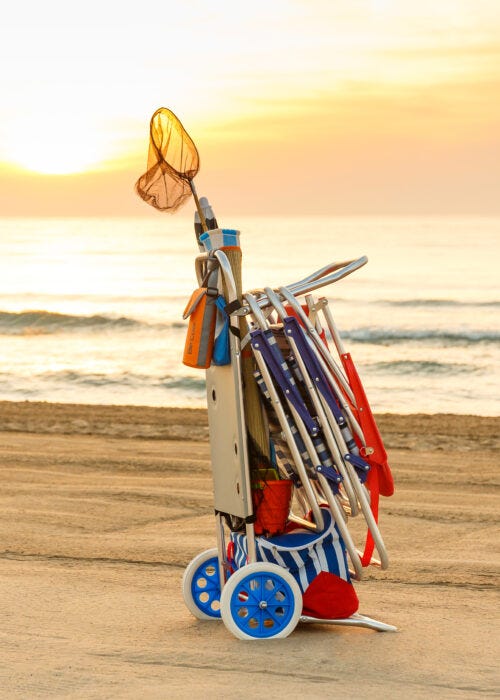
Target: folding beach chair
{"points": [[327, 395]]}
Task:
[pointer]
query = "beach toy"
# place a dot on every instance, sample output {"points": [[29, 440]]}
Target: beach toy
{"points": [[295, 451], [173, 163], [220, 238], [271, 500]]}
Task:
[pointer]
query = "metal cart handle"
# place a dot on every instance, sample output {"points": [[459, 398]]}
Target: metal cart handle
{"points": [[320, 278]]}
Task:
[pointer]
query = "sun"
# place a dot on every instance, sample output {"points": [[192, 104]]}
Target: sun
{"points": [[50, 147]]}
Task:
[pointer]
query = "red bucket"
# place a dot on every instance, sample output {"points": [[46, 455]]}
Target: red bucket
{"points": [[271, 502]]}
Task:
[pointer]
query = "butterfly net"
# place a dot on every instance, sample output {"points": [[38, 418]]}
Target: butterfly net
{"points": [[173, 162]]}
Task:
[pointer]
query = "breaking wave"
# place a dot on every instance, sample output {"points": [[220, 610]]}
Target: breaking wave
{"points": [[122, 379], [50, 322], [131, 379], [383, 336], [425, 367], [47, 322], [438, 303]]}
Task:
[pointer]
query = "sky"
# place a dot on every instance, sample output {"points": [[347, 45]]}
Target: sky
{"points": [[365, 107]]}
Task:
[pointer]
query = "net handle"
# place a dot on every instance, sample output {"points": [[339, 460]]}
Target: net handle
{"points": [[198, 206]]}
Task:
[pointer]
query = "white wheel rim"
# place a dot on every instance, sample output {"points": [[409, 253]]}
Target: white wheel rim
{"points": [[261, 601], [201, 586]]}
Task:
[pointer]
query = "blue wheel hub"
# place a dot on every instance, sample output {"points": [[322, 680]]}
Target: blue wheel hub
{"points": [[262, 605], [205, 587]]}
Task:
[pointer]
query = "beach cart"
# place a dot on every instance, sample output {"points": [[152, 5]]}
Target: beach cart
{"points": [[296, 453], [284, 552]]}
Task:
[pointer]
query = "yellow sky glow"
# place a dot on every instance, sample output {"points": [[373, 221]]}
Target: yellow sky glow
{"points": [[311, 96]]}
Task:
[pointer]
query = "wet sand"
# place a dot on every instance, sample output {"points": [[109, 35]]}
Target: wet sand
{"points": [[102, 507]]}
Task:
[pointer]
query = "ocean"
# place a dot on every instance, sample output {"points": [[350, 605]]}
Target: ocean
{"points": [[91, 308]]}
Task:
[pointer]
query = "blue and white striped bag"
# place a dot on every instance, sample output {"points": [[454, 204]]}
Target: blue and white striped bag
{"points": [[303, 553]]}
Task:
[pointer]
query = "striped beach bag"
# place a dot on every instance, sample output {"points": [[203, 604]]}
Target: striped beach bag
{"points": [[317, 561]]}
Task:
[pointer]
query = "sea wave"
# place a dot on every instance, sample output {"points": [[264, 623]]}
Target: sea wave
{"points": [[419, 303], [386, 336], [425, 367], [132, 380], [437, 303], [47, 322], [41, 322]]}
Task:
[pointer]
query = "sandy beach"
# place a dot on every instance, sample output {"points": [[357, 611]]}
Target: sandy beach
{"points": [[102, 507]]}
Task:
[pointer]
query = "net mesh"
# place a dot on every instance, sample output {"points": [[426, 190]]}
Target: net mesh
{"points": [[173, 162]]}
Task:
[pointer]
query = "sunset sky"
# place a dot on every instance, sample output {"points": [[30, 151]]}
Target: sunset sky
{"points": [[296, 106]]}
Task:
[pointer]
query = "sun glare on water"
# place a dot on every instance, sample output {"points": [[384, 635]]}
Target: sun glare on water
{"points": [[57, 149]]}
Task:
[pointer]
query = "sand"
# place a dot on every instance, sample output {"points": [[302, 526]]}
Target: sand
{"points": [[102, 507]]}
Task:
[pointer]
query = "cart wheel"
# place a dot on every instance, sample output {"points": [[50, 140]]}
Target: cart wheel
{"points": [[261, 601], [201, 586]]}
